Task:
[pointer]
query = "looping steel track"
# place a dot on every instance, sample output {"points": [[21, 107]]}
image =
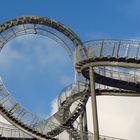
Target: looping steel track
{"points": [[102, 55]]}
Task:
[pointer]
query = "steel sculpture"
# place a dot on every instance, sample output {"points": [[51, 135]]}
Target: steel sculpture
{"points": [[101, 62]]}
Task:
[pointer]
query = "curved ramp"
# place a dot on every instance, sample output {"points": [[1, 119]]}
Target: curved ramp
{"points": [[111, 53]]}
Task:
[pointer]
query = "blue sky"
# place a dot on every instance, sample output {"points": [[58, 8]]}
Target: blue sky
{"points": [[26, 62], [35, 69], [88, 18]]}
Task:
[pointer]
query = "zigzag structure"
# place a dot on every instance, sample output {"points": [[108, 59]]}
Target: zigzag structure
{"points": [[102, 67]]}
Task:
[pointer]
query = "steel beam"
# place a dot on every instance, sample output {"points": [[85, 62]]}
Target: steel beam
{"points": [[81, 127], [85, 124], [94, 105], [110, 63], [70, 137]]}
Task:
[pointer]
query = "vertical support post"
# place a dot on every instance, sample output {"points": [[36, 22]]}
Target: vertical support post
{"points": [[81, 127], [85, 127], [70, 137], [94, 104]]}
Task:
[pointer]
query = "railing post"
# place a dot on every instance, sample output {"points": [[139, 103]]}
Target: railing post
{"points": [[94, 104]]}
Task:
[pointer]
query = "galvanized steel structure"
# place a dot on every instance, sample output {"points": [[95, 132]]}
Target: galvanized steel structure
{"points": [[107, 67]]}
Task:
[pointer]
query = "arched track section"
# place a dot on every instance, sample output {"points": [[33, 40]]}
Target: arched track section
{"points": [[10, 131], [10, 108], [39, 25]]}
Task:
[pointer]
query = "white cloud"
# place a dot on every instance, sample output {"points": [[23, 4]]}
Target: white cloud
{"points": [[7, 56], [54, 106], [66, 80], [33, 51]]}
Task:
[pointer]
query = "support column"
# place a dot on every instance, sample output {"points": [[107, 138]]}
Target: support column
{"points": [[81, 127], [94, 104], [85, 124], [70, 137]]}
